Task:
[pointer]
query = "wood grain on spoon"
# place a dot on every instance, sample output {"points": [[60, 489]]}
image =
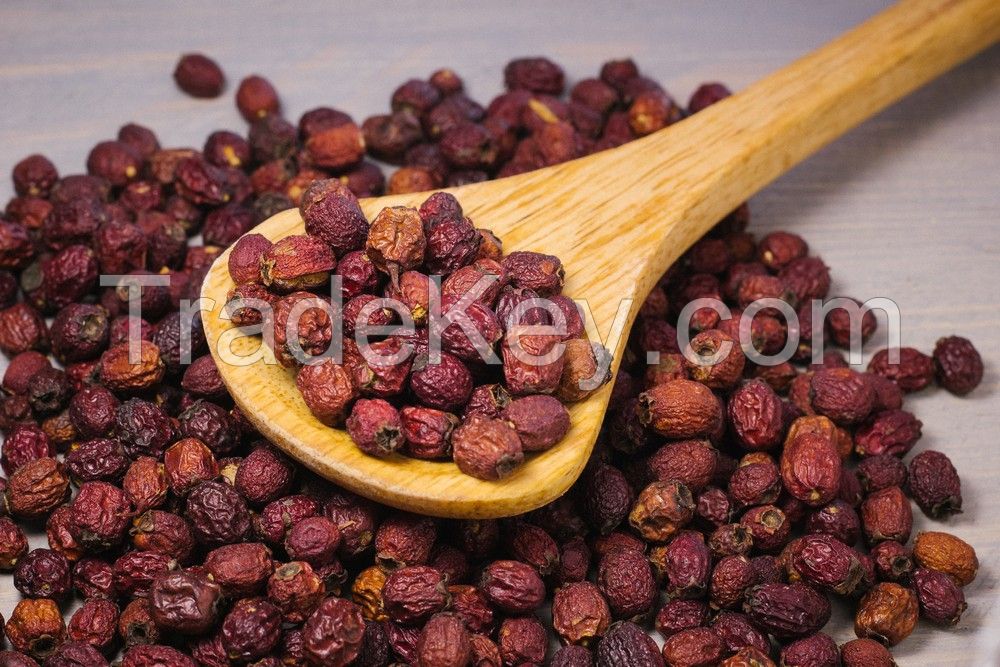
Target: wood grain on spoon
{"points": [[617, 219]]}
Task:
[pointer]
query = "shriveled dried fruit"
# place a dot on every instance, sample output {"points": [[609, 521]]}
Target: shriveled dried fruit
{"points": [[444, 641], [946, 553], [941, 599], [887, 613], [625, 644], [958, 366], [886, 515], [680, 409], [333, 634], [934, 484], [580, 614], [865, 653], [661, 509], [787, 610], [36, 627]]}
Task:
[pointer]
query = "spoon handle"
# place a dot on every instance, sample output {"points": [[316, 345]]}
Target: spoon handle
{"points": [[663, 192]]}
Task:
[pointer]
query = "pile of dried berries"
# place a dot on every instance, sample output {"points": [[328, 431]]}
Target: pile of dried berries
{"points": [[715, 508], [404, 393]]}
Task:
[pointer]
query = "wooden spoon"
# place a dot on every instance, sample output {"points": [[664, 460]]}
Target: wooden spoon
{"points": [[617, 219]]}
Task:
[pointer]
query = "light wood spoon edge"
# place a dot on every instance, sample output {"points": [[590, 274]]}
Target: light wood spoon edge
{"points": [[617, 219]]}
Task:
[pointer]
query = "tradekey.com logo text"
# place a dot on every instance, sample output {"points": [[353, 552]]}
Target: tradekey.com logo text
{"points": [[443, 322]]}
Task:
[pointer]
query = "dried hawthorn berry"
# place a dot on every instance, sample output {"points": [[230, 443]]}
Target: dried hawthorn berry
{"points": [[298, 262], [819, 650], [537, 75], [20, 369], [36, 489], [533, 545], [444, 641], [843, 395], [210, 423], [958, 366], [811, 468], [241, 570], [540, 421], [21, 329], [24, 443], [512, 586], [865, 653], [36, 627], [626, 580], [163, 532], [736, 631], [412, 594], [731, 578], [941, 599], [680, 409], [135, 571], [296, 589], [184, 602], [754, 484], [607, 498], [251, 630], [94, 623], [59, 533], [49, 391], [934, 484], [375, 427], [327, 389], [199, 76], [314, 540], [264, 475], [946, 553], [695, 647], [837, 519], [13, 544], [892, 561], [404, 540], [824, 562], [427, 432], [768, 525], [691, 462], [43, 573], [661, 509], [333, 633], [913, 372], [187, 463], [677, 615], [92, 411], [755, 413], [136, 626], [807, 277], [101, 513], [93, 578], [114, 161], [218, 514], [886, 515], [148, 655], [625, 644], [486, 448], [120, 374], [887, 613], [245, 258], [366, 591], [787, 611], [145, 483], [256, 98], [881, 471]]}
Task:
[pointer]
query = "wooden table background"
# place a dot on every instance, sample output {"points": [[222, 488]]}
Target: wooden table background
{"points": [[907, 206]]}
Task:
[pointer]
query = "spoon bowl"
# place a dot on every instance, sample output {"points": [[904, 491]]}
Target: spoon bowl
{"points": [[616, 219]]}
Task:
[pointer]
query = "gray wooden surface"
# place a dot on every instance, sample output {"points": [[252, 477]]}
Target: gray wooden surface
{"points": [[907, 206]]}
